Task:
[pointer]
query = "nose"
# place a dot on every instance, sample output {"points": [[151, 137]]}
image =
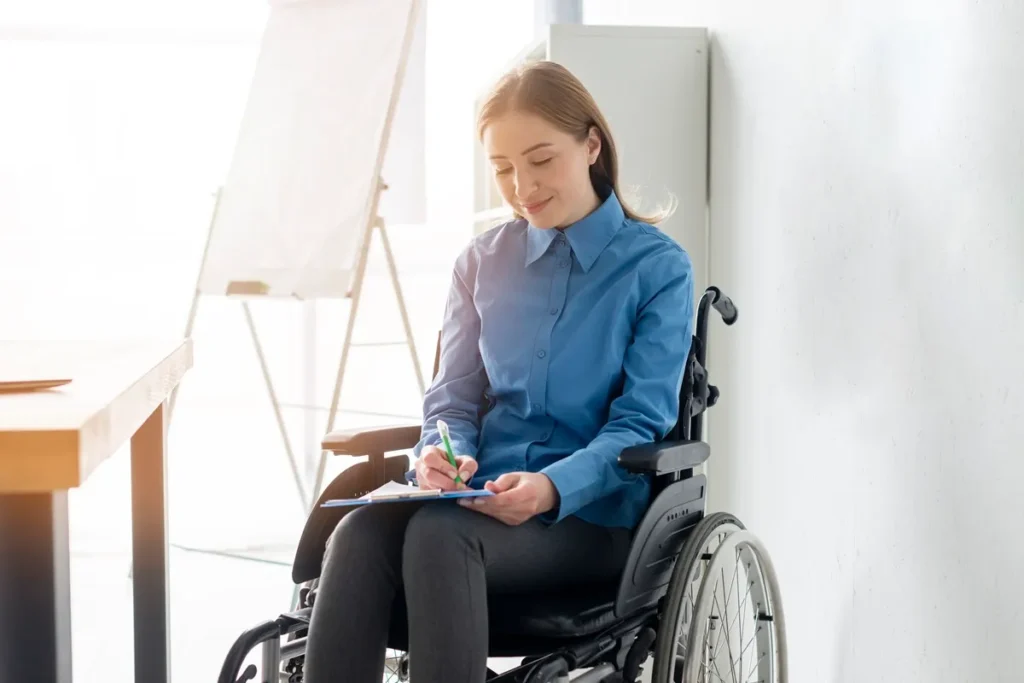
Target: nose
{"points": [[525, 184]]}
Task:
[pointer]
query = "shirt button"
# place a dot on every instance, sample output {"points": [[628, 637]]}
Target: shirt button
{"points": [[554, 311], [541, 354], [563, 263], [536, 406]]}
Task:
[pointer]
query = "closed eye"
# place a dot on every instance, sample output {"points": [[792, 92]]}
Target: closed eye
{"points": [[542, 161]]}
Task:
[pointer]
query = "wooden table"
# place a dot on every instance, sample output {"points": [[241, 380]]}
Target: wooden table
{"points": [[51, 441]]}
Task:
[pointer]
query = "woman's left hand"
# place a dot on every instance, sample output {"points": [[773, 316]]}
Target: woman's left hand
{"points": [[518, 496]]}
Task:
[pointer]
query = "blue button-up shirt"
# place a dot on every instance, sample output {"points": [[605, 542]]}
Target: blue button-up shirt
{"points": [[559, 349]]}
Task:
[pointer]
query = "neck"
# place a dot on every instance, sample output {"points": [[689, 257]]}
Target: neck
{"points": [[587, 207]]}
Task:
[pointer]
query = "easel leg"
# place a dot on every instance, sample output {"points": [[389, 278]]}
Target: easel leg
{"points": [[306, 502], [357, 290], [393, 270], [195, 297]]}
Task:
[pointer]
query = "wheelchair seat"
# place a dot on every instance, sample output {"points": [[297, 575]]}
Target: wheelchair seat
{"points": [[527, 624], [565, 614]]}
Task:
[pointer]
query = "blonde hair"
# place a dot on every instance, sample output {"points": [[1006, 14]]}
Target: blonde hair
{"points": [[549, 90]]}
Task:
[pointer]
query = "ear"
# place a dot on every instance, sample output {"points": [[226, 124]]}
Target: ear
{"points": [[593, 145]]}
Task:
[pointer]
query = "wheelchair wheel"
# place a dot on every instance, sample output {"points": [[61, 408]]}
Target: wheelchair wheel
{"points": [[738, 631], [396, 667], [755, 639], [681, 600]]}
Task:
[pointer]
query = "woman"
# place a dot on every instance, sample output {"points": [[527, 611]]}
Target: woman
{"points": [[564, 340]]}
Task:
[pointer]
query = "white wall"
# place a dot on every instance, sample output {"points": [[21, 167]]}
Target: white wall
{"points": [[867, 204], [461, 64]]}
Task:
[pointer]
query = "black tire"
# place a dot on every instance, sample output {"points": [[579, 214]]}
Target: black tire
{"points": [[684, 573]]}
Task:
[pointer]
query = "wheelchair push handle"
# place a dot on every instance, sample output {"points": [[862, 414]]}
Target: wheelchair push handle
{"points": [[723, 305]]}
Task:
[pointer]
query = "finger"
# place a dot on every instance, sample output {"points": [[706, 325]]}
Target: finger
{"points": [[487, 502], [508, 481], [477, 504], [422, 477], [429, 452], [492, 511], [501, 500], [503, 483], [437, 462], [517, 498], [437, 480], [467, 467]]}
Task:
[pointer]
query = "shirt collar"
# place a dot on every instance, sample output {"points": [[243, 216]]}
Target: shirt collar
{"points": [[588, 236]]}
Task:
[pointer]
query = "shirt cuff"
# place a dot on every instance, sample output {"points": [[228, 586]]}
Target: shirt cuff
{"points": [[565, 475]]}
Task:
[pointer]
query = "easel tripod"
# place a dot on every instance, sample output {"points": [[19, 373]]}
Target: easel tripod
{"points": [[374, 224]]}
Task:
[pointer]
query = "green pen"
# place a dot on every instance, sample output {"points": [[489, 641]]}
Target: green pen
{"points": [[442, 429]]}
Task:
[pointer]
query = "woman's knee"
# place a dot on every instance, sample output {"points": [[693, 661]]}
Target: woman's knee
{"points": [[439, 534], [359, 534]]}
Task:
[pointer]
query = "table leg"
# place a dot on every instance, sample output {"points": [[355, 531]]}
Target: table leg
{"points": [[149, 550], [35, 591]]}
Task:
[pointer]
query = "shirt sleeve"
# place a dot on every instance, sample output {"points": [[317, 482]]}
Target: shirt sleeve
{"points": [[648, 406], [457, 392]]}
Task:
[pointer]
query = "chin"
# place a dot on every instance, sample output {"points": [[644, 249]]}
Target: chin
{"points": [[545, 219], [541, 223]]}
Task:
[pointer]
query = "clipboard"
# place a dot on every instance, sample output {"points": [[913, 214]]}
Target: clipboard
{"points": [[393, 492]]}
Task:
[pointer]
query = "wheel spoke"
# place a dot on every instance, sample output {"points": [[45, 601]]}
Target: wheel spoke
{"points": [[758, 655], [734, 581], [706, 602], [755, 669], [707, 671], [743, 603], [725, 616], [743, 652]]}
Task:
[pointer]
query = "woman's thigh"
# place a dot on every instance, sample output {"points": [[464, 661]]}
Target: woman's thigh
{"points": [[368, 537], [528, 557]]}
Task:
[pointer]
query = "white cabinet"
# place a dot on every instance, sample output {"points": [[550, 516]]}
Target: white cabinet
{"points": [[651, 83]]}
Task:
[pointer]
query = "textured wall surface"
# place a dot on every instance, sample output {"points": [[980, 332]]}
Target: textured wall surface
{"points": [[867, 215]]}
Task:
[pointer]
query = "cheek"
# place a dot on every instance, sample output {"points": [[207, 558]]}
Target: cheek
{"points": [[551, 176], [565, 178], [506, 187]]}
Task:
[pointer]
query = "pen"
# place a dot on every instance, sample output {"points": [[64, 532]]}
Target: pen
{"points": [[442, 429]]}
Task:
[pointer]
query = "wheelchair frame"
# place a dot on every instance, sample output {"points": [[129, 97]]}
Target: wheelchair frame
{"points": [[638, 621]]}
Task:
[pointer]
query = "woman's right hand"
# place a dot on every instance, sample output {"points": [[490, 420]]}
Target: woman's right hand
{"points": [[433, 471]]}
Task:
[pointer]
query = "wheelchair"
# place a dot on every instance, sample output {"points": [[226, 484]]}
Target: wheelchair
{"points": [[698, 595]]}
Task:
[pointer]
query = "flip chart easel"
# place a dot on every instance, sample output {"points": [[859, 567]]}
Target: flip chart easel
{"points": [[296, 216]]}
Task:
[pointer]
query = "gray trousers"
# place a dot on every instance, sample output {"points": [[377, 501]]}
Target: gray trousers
{"points": [[443, 560]]}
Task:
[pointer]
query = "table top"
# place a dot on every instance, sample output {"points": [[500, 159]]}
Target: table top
{"points": [[53, 439]]}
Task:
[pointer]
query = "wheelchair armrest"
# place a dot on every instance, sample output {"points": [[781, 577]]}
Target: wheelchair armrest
{"points": [[373, 440], [665, 457]]}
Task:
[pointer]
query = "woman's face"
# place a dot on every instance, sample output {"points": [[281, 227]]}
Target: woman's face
{"points": [[541, 171]]}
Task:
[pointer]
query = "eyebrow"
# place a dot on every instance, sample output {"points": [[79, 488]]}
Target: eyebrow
{"points": [[525, 151]]}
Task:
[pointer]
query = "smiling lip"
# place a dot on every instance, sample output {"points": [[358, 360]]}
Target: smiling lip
{"points": [[537, 206]]}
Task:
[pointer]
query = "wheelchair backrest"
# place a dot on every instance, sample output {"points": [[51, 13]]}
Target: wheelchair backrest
{"points": [[695, 396]]}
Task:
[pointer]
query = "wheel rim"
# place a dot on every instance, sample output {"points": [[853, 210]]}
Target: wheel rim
{"points": [[739, 625], [694, 580]]}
